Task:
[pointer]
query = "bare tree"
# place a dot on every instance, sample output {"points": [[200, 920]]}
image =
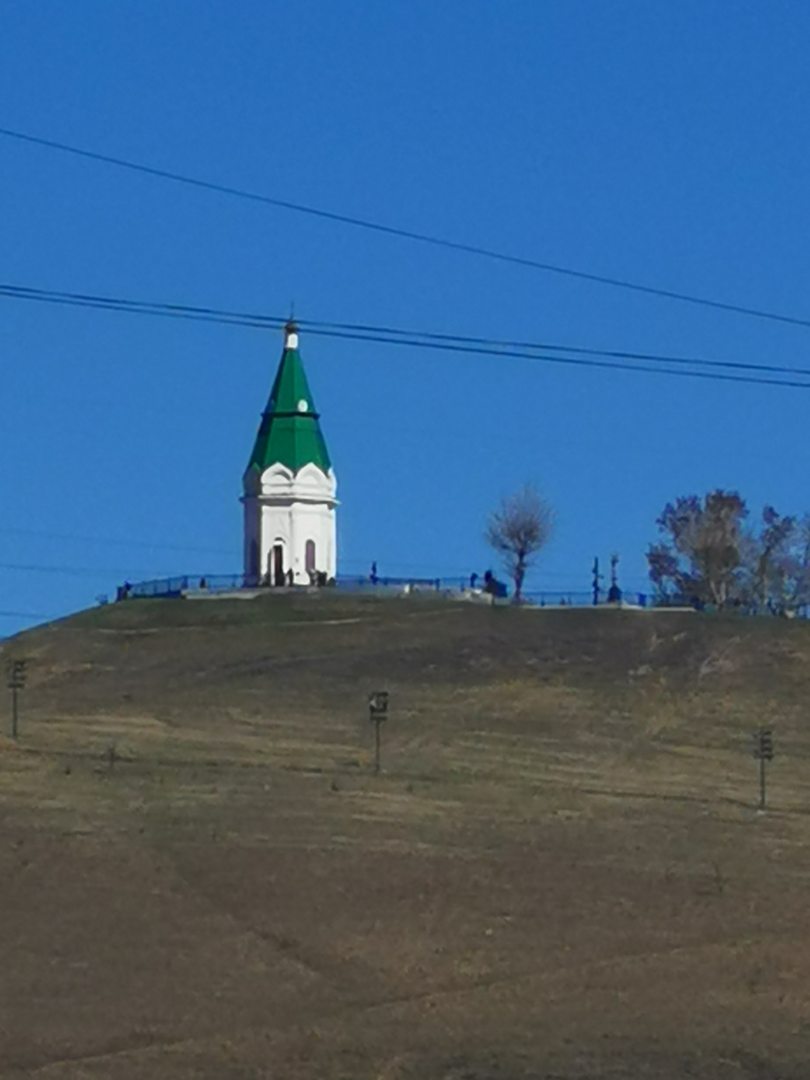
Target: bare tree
{"points": [[702, 557], [520, 527], [769, 557], [709, 554], [797, 571], [780, 572]]}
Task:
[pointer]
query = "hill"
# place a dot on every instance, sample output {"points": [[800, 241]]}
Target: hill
{"points": [[560, 872]]}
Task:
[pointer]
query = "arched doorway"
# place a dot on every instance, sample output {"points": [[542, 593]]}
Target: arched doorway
{"points": [[276, 564]]}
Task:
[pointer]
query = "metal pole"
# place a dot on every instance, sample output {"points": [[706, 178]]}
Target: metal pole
{"points": [[377, 725], [596, 579], [762, 782], [14, 712]]}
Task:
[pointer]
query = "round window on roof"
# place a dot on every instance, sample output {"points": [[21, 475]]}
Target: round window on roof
{"points": [[303, 405]]}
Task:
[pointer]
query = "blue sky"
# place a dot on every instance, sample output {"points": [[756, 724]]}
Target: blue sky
{"points": [[665, 143]]}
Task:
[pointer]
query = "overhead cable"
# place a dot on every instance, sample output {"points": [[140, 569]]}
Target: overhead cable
{"points": [[107, 541], [363, 330], [428, 340], [403, 233]]}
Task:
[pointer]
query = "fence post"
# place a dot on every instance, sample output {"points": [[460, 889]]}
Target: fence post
{"points": [[378, 712], [16, 682]]}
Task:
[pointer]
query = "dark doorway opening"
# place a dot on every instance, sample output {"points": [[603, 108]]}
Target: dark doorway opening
{"points": [[278, 564]]}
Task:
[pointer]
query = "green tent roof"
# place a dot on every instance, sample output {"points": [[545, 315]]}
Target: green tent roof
{"points": [[289, 432]]}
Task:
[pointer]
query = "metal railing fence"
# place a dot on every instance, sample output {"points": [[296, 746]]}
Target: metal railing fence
{"points": [[182, 584]]}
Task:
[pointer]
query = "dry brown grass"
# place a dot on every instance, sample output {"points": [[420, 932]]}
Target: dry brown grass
{"points": [[559, 874]]}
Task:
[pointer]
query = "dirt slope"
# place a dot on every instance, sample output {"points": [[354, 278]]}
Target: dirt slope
{"points": [[560, 872]]}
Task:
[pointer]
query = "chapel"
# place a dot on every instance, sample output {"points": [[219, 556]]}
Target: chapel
{"points": [[289, 485]]}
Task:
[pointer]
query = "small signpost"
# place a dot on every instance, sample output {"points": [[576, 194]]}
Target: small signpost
{"points": [[378, 712], [763, 751], [16, 682]]}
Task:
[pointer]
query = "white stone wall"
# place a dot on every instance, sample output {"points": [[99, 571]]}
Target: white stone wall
{"points": [[287, 509]]}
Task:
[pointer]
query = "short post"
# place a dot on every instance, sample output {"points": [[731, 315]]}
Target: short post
{"points": [[763, 751], [378, 712], [16, 682]]}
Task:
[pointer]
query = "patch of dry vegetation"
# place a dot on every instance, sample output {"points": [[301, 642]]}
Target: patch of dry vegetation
{"points": [[560, 872]]}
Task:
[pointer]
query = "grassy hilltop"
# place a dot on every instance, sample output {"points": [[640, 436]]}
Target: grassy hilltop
{"points": [[560, 873]]}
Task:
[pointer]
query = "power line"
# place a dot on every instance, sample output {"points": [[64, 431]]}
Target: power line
{"points": [[107, 541], [399, 569], [451, 343], [362, 332], [558, 347], [400, 337], [402, 233], [575, 361], [25, 615], [421, 337], [84, 571]]}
